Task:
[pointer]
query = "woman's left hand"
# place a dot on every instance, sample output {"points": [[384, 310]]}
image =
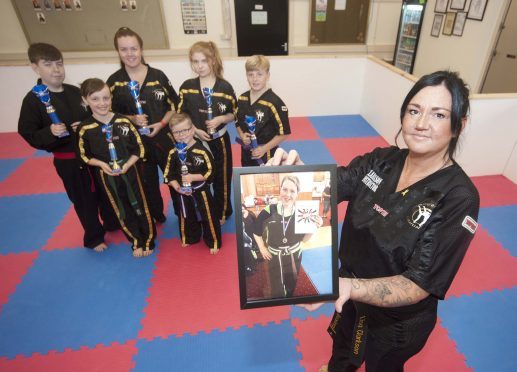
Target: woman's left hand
{"points": [[155, 128], [345, 290], [318, 221], [213, 124]]}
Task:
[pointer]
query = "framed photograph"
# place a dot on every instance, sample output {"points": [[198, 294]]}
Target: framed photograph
{"points": [[450, 17], [477, 9], [459, 24], [441, 6], [458, 4], [437, 25], [286, 234]]}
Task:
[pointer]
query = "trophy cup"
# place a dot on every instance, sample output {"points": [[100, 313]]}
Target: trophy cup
{"points": [[251, 123], [182, 153], [41, 91], [107, 129], [134, 89], [207, 93]]}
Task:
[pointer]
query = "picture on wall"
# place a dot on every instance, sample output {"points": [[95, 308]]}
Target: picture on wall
{"points": [[459, 24], [286, 234], [450, 17], [437, 25], [458, 4], [441, 6], [477, 9]]}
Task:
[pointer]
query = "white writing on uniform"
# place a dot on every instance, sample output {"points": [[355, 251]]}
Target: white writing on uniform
{"points": [[372, 180], [383, 212]]}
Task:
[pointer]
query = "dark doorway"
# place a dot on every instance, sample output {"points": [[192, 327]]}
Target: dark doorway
{"points": [[262, 27]]}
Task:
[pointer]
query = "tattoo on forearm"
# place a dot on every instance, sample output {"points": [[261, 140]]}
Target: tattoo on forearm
{"points": [[387, 292]]}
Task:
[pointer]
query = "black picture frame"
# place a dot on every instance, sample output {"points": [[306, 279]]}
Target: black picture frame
{"points": [[458, 4], [477, 9], [459, 23], [441, 6], [257, 189], [437, 24]]}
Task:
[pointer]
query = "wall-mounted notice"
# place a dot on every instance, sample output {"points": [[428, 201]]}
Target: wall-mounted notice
{"points": [[194, 16]]}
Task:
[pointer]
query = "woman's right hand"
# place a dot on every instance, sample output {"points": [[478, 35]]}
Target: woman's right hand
{"points": [[202, 135], [265, 253], [283, 158], [140, 120]]}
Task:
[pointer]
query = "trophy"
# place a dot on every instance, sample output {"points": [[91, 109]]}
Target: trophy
{"points": [[134, 89], [207, 93], [251, 123], [107, 129], [41, 91], [182, 153]]}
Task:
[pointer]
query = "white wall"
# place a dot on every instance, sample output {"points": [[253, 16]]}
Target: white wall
{"points": [[468, 54]]}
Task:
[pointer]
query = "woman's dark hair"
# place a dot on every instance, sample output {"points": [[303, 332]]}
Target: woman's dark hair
{"points": [[460, 101], [92, 85], [126, 31]]}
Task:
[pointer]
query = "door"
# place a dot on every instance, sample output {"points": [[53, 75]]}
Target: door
{"points": [[262, 27], [502, 72]]}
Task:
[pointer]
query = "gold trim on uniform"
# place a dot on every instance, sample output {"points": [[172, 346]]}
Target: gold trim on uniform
{"points": [[207, 162], [225, 183], [118, 84], [182, 229], [275, 113], [147, 213], [81, 140], [209, 218], [166, 171]]}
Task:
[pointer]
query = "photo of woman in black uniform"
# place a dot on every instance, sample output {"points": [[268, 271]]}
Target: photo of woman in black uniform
{"points": [[411, 216]]}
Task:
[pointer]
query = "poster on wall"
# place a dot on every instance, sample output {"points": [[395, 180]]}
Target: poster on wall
{"points": [[194, 16]]}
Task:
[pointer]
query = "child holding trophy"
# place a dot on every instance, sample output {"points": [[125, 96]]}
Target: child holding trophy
{"points": [[147, 97], [48, 118], [111, 143], [189, 170], [262, 118], [210, 102]]}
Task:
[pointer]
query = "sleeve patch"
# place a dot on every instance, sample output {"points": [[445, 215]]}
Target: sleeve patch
{"points": [[470, 224]]}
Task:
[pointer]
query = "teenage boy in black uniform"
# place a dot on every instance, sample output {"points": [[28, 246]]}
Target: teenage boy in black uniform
{"points": [[120, 180], [197, 215], [269, 111], [37, 129]]}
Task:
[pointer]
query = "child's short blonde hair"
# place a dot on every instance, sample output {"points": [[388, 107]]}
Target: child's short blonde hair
{"points": [[179, 118], [257, 62]]}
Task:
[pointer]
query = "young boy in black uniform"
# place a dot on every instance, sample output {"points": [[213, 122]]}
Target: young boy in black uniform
{"points": [[269, 111], [197, 207], [110, 142], [36, 127]]}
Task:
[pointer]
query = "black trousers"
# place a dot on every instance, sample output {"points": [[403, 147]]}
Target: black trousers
{"points": [[283, 274], [390, 340], [128, 200], [222, 183], [197, 218], [81, 191], [248, 161]]}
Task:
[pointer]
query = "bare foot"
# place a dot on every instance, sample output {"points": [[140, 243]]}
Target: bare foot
{"points": [[101, 247], [185, 244], [148, 253], [214, 250], [138, 252], [222, 221], [324, 368]]}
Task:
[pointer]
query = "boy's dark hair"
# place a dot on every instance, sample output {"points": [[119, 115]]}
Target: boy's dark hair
{"points": [[92, 85], [43, 52]]}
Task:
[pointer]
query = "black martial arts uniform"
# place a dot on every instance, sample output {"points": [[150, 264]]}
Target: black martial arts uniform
{"points": [[34, 127], [193, 103], [277, 232], [197, 215], [272, 119], [126, 191], [157, 97], [421, 233]]}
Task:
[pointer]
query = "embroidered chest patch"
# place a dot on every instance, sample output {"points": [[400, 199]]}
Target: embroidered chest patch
{"points": [[420, 214], [372, 180]]}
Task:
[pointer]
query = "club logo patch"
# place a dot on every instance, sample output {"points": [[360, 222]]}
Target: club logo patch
{"points": [[222, 107], [260, 115], [420, 214], [198, 160], [124, 129], [470, 224], [159, 94]]}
